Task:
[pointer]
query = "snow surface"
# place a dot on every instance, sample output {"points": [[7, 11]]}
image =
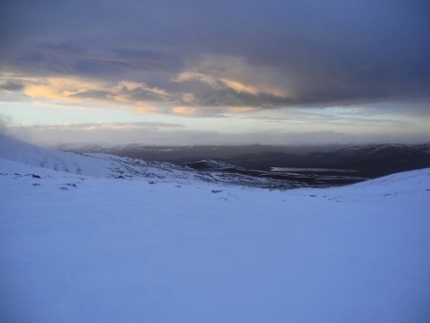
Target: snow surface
{"points": [[85, 246]]}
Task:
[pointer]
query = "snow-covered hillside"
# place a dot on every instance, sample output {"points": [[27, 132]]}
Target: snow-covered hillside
{"points": [[98, 165], [94, 239], [110, 166]]}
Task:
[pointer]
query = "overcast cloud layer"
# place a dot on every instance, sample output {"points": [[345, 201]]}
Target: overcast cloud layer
{"points": [[201, 57], [274, 72]]}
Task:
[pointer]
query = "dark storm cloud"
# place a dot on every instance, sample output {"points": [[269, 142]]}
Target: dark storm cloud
{"points": [[323, 52], [229, 97], [11, 86]]}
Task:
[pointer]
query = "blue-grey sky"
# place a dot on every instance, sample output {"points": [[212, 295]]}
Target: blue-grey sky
{"points": [[233, 71]]}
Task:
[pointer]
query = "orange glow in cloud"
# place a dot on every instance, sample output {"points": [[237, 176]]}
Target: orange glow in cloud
{"points": [[191, 76], [68, 90], [62, 89], [144, 99], [239, 110], [187, 111], [145, 108], [237, 86]]}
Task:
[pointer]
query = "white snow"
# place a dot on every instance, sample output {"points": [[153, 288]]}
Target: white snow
{"points": [[88, 247]]}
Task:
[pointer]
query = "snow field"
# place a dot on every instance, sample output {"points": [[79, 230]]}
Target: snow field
{"points": [[78, 244], [115, 250]]}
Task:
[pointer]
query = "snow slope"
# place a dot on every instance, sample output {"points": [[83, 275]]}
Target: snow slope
{"points": [[95, 248], [105, 165], [99, 165]]}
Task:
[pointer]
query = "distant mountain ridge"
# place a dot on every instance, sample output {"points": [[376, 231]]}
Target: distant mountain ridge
{"points": [[111, 166], [369, 161]]}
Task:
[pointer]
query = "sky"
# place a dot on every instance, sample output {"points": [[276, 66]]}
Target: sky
{"points": [[215, 72]]}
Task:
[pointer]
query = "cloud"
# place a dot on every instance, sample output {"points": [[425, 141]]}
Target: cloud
{"points": [[225, 54], [11, 86], [5, 122], [102, 132], [217, 83], [172, 134], [11, 128], [108, 125], [197, 94]]}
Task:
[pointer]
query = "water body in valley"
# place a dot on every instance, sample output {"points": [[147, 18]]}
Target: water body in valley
{"points": [[315, 170]]}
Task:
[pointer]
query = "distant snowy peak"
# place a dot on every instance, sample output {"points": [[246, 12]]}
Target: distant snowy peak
{"points": [[425, 148], [385, 150]]}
